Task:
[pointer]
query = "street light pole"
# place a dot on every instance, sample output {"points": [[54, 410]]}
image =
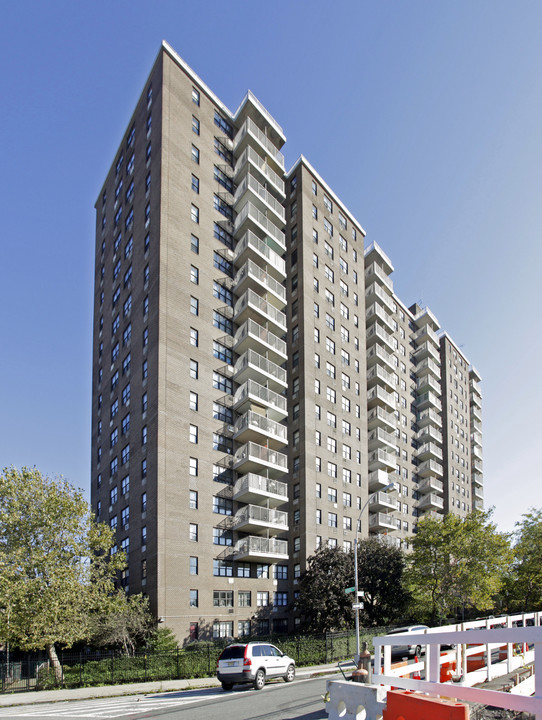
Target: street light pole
{"points": [[388, 488]]}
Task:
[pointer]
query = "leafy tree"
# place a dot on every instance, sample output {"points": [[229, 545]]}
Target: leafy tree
{"points": [[380, 576], [49, 587], [456, 563], [127, 623], [322, 601], [162, 641], [524, 583]]}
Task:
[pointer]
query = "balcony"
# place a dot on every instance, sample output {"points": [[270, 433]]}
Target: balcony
{"points": [[428, 400], [262, 252], [251, 393], [378, 479], [428, 382], [250, 304], [262, 199], [257, 489], [378, 396], [381, 521], [252, 458], [426, 350], [429, 433], [429, 417], [374, 293], [377, 354], [478, 492], [477, 479], [431, 501], [256, 519], [251, 335], [259, 549], [429, 451], [253, 276], [374, 273], [380, 438], [250, 214], [253, 366], [377, 375], [477, 466], [476, 400], [377, 417], [431, 514], [430, 484], [430, 467], [255, 427], [476, 451], [426, 334], [478, 504], [382, 501], [250, 156], [475, 388], [374, 312], [426, 317], [376, 333], [382, 460], [428, 366], [476, 413], [477, 427], [249, 132]]}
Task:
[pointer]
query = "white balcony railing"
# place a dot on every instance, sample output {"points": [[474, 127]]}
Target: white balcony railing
{"points": [[250, 269], [262, 249], [254, 359], [250, 155], [249, 126], [268, 226], [252, 389], [252, 419]]}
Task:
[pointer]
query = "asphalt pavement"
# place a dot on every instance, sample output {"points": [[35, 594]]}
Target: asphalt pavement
{"points": [[107, 691]]}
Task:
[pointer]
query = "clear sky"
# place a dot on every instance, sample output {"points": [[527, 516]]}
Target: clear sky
{"points": [[423, 116]]}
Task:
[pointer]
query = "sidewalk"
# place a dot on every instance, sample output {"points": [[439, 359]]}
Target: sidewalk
{"points": [[106, 691]]}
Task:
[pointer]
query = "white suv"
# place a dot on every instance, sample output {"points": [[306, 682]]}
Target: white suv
{"points": [[253, 662]]}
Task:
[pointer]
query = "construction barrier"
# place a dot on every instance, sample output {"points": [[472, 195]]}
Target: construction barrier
{"points": [[408, 705]]}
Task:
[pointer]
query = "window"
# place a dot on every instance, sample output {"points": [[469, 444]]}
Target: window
{"points": [[332, 469], [194, 598], [113, 495], [193, 565], [224, 236], [222, 506], [195, 96], [222, 630], [194, 244], [114, 380], [145, 337], [280, 599], [194, 337], [331, 394], [194, 213], [144, 369], [125, 518], [315, 212], [243, 570], [221, 568], [194, 305], [223, 179], [223, 152], [194, 369], [222, 293], [193, 401], [220, 382], [125, 454], [127, 334], [332, 519], [125, 424], [328, 203], [222, 323], [193, 433], [328, 272], [222, 536], [244, 598], [221, 263], [193, 532], [223, 207], [115, 352], [195, 125], [262, 599], [193, 467], [328, 227], [195, 184], [223, 413]]}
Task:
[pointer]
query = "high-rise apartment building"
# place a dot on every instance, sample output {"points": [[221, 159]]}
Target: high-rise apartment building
{"points": [[255, 378]]}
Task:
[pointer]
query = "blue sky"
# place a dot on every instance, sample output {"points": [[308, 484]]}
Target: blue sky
{"points": [[423, 116]]}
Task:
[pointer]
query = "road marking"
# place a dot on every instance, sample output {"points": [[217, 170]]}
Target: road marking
{"points": [[98, 708]]}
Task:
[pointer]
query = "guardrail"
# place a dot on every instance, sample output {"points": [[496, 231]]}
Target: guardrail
{"points": [[518, 638]]}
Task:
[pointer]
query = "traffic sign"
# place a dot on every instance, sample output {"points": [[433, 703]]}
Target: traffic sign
{"points": [[350, 590], [357, 606]]}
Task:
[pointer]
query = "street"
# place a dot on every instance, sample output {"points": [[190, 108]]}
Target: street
{"points": [[300, 700]]}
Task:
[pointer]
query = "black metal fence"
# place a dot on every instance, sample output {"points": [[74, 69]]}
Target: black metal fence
{"points": [[86, 669]]}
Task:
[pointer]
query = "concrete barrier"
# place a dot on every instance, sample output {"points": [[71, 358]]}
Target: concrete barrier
{"points": [[347, 700]]}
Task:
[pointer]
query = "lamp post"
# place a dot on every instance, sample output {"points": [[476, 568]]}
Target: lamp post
{"points": [[387, 489]]}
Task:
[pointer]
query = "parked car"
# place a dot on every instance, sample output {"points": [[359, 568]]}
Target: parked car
{"points": [[408, 650], [253, 662]]}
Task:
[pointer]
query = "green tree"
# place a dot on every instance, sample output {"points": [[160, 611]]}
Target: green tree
{"points": [[456, 563], [50, 590], [322, 601], [126, 624], [380, 576], [162, 641], [524, 583]]}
